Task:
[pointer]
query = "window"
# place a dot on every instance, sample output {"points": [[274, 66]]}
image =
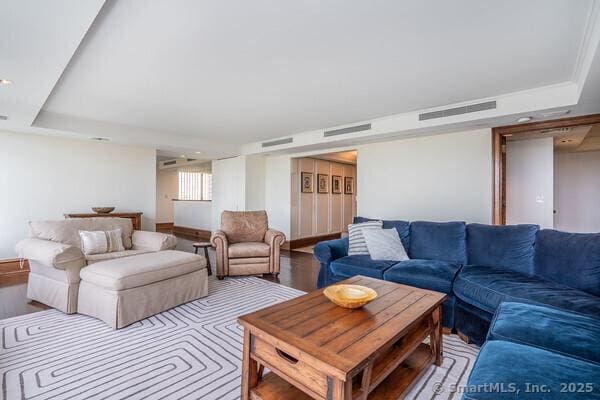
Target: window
{"points": [[195, 185]]}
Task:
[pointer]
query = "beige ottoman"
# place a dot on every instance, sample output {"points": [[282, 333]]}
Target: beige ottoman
{"points": [[125, 290]]}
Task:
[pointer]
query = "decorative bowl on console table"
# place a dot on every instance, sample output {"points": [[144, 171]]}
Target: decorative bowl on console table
{"points": [[103, 210]]}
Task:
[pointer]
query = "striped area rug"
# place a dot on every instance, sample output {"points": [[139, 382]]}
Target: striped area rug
{"points": [[190, 352]]}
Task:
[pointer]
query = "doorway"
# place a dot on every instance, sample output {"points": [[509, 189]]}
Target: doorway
{"points": [[323, 197], [548, 174]]}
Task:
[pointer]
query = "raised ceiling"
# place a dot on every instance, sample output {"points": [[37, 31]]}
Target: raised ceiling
{"points": [[211, 76], [566, 140]]}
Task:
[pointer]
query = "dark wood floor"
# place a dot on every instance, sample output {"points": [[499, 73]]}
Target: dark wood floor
{"points": [[298, 270]]}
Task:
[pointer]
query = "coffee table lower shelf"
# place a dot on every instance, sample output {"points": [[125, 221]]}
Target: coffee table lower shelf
{"points": [[273, 387]]}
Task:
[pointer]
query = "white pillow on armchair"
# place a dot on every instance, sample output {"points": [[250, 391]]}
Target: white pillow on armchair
{"points": [[385, 244], [98, 242]]}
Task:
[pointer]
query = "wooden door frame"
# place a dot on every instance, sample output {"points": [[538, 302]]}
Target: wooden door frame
{"points": [[499, 135]]}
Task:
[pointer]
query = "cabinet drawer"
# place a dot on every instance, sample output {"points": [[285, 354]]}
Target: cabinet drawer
{"points": [[295, 369]]}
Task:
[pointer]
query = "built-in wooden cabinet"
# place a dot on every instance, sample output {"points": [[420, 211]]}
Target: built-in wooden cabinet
{"points": [[317, 214]]}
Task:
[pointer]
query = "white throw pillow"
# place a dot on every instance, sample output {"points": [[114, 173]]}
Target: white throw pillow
{"points": [[357, 244], [385, 244], [98, 242]]}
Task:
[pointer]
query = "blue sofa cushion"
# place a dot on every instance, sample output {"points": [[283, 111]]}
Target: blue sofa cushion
{"points": [[438, 241], [569, 258], [326, 252], [425, 274], [360, 265], [508, 247], [549, 328], [513, 365], [487, 287], [403, 228]]}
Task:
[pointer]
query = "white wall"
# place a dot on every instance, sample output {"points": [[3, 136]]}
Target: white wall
{"points": [[437, 178], [255, 182], [577, 191], [443, 177], [193, 214], [167, 189], [44, 177], [229, 187], [278, 176], [530, 182]]}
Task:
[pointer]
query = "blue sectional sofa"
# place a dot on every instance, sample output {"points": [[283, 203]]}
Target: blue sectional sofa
{"points": [[537, 352], [479, 267], [437, 252]]}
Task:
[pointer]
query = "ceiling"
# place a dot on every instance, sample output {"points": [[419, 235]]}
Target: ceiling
{"points": [[216, 76], [37, 40], [348, 157], [566, 140], [586, 139]]}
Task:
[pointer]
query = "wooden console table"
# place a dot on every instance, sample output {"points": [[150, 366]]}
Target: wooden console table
{"points": [[317, 350], [135, 217]]}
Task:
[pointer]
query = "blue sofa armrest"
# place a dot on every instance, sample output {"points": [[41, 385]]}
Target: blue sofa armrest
{"points": [[325, 253]]}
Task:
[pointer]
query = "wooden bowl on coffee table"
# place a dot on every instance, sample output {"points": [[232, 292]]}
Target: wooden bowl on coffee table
{"points": [[350, 296]]}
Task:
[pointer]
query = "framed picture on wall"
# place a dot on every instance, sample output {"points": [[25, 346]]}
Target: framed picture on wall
{"points": [[322, 183], [336, 184], [306, 182], [348, 185]]}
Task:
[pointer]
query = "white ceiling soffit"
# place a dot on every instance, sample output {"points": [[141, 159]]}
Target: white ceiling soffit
{"points": [[223, 77], [242, 72], [580, 95], [37, 40]]}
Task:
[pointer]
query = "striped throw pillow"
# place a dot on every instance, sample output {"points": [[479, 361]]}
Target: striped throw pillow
{"points": [[357, 243], [98, 242]]}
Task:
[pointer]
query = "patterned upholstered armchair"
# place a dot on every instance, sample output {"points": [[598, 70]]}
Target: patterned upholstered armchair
{"points": [[245, 245]]}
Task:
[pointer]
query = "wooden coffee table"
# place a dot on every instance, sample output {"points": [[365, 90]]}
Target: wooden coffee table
{"points": [[318, 350]]}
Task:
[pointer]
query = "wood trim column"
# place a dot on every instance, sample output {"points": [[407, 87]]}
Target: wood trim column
{"points": [[499, 179]]}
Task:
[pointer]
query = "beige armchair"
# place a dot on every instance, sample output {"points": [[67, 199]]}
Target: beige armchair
{"points": [[245, 245], [55, 258]]}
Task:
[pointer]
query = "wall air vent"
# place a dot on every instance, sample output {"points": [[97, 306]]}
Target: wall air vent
{"points": [[173, 162], [350, 129], [488, 105], [278, 142]]}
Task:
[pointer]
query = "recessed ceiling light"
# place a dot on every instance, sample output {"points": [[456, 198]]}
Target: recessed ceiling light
{"points": [[524, 119], [198, 152], [182, 156], [5, 81], [508, 135]]}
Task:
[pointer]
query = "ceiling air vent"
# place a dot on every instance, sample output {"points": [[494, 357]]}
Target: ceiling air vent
{"points": [[3, 117], [488, 105], [555, 131], [350, 129], [277, 142], [172, 162]]}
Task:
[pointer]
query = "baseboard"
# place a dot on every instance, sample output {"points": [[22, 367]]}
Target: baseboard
{"points": [[191, 232], [164, 226], [12, 268], [309, 241]]}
